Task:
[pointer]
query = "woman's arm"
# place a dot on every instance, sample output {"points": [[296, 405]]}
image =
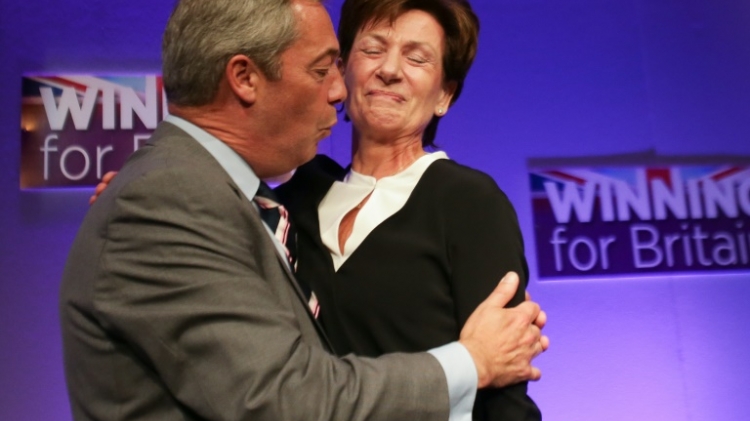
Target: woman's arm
{"points": [[485, 243]]}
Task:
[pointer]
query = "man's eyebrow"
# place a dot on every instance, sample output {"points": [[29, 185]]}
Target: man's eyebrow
{"points": [[331, 52]]}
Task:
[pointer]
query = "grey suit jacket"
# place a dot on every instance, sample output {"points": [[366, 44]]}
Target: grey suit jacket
{"points": [[176, 306]]}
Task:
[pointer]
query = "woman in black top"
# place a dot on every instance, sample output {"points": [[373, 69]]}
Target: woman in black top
{"points": [[402, 247]]}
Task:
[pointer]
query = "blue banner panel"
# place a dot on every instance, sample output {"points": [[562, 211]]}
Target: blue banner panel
{"points": [[618, 220], [75, 128]]}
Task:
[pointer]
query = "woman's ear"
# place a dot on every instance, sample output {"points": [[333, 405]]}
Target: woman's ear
{"points": [[444, 101]]}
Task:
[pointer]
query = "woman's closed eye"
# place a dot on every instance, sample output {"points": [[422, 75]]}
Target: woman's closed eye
{"points": [[372, 51], [414, 58]]}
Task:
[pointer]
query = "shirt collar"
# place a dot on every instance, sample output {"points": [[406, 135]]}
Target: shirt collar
{"points": [[236, 167], [407, 177]]}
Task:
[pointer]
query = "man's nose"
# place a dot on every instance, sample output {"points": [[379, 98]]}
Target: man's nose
{"points": [[337, 92]]}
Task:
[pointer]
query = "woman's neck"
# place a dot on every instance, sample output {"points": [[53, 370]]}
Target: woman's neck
{"points": [[382, 159]]}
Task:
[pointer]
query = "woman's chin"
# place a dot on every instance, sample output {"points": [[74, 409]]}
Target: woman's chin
{"points": [[385, 120]]}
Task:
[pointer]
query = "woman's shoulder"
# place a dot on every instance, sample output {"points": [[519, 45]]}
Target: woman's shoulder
{"points": [[458, 178], [471, 194]]}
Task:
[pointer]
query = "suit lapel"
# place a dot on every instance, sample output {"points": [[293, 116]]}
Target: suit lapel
{"points": [[281, 260], [295, 285], [191, 147]]}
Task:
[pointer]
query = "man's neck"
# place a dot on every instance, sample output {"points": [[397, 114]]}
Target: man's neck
{"points": [[227, 127], [213, 120]]}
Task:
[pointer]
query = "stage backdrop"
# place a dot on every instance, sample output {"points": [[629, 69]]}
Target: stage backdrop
{"points": [[552, 79]]}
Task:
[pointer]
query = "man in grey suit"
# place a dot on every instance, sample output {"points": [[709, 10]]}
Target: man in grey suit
{"points": [[176, 303]]}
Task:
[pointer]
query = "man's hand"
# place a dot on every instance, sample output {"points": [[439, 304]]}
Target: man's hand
{"points": [[541, 319], [106, 179], [503, 341]]}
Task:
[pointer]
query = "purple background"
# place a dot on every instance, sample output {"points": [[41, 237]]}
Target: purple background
{"points": [[553, 78]]}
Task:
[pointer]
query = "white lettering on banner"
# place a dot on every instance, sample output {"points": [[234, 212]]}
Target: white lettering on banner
{"points": [[64, 159], [669, 198], [628, 220], [649, 200], [48, 148], [76, 127], [130, 104], [651, 248], [562, 206], [636, 198], [596, 251], [694, 196], [108, 109], [719, 195], [693, 245], [81, 113]]}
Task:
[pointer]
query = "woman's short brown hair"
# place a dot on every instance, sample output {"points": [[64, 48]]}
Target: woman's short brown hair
{"points": [[458, 21]]}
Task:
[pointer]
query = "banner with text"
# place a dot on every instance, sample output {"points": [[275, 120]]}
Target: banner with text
{"points": [[618, 220], [75, 128]]}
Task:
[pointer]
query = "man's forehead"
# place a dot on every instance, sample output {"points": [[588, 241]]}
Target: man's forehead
{"points": [[315, 30], [302, 6]]}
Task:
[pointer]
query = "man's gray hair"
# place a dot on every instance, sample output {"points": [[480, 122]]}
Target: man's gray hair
{"points": [[202, 35]]}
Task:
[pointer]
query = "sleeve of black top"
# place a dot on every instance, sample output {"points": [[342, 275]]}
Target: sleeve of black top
{"points": [[485, 243]]}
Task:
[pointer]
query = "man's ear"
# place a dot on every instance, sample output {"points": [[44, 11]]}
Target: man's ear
{"points": [[243, 77]]}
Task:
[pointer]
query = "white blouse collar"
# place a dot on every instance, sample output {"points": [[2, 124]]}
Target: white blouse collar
{"points": [[387, 196]]}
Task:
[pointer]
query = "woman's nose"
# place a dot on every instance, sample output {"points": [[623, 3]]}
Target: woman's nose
{"points": [[390, 69]]}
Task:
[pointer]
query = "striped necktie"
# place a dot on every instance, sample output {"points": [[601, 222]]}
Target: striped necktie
{"points": [[277, 218]]}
